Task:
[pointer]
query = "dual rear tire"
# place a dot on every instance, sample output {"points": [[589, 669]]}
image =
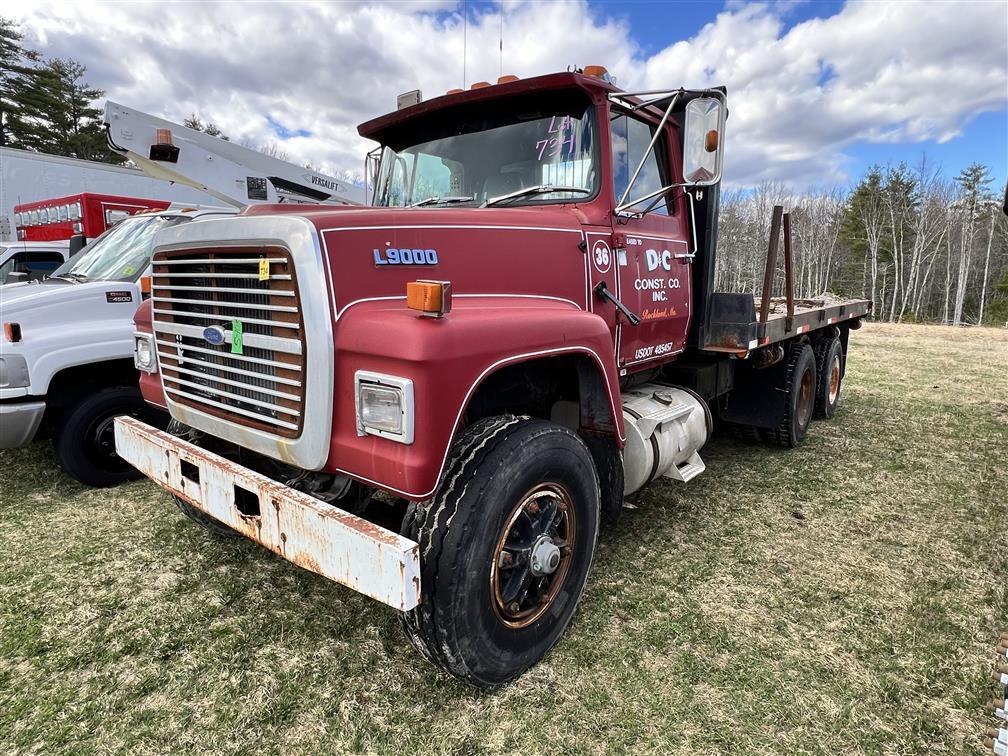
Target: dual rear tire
{"points": [[812, 381], [829, 372]]}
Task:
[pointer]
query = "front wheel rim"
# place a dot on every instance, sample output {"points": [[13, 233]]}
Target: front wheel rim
{"points": [[100, 442], [532, 555]]}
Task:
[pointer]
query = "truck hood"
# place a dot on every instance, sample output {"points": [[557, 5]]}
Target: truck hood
{"points": [[67, 324], [370, 254], [37, 305]]}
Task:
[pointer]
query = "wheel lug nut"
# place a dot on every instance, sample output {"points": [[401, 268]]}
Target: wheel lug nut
{"points": [[532, 508], [513, 607]]}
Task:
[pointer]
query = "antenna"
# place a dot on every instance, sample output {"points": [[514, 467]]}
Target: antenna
{"points": [[500, 70], [465, 32]]}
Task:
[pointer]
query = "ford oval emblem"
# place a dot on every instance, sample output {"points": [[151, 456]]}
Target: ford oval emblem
{"points": [[213, 335]]}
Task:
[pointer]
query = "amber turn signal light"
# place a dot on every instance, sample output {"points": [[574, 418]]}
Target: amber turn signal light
{"points": [[12, 332], [145, 284], [711, 140], [431, 298]]}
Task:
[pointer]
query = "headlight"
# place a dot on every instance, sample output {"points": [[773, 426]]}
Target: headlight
{"points": [[384, 406], [13, 371], [143, 353]]}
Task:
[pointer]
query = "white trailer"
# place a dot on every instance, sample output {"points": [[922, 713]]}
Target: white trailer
{"points": [[33, 177]]}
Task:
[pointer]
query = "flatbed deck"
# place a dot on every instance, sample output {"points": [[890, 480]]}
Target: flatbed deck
{"points": [[736, 327]]}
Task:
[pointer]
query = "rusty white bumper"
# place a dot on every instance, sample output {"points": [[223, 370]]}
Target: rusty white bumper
{"points": [[311, 534]]}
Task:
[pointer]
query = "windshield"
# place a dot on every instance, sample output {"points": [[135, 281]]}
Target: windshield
{"points": [[121, 253], [489, 157]]}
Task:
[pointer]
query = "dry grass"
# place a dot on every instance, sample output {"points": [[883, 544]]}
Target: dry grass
{"points": [[839, 598]]}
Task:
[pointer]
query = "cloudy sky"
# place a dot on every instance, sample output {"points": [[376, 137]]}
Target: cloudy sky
{"points": [[817, 90]]}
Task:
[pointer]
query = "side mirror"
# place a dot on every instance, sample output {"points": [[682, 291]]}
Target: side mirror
{"points": [[77, 243], [703, 142]]}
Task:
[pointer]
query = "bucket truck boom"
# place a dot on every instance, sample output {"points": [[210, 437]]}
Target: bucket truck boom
{"points": [[233, 174]]}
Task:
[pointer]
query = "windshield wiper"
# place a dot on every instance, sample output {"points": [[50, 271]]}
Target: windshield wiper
{"points": [[541, 189], [78, 277], [441, 200]]}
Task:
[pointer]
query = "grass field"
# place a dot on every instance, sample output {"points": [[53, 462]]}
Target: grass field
{"points": [[843, 597]]}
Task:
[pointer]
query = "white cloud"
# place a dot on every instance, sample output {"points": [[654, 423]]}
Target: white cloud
{"points": [[882, 72]]}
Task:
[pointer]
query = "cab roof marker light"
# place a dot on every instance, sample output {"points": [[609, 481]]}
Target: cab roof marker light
{"points": [[506, 79], [480, 85]]}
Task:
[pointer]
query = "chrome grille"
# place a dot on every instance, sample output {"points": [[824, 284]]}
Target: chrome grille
{"points": [[261, 387]]}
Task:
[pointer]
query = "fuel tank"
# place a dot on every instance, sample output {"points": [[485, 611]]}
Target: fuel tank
{"points": [[666, 426]]}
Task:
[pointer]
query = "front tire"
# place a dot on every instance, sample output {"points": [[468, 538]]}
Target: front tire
{"points": [[506, 545], [85, 444]]}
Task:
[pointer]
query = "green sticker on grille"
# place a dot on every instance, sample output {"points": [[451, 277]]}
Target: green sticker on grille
{"points": [[237, 337]]}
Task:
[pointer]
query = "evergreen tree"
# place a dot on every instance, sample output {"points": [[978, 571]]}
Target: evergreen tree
{"points": [[47, 107], [18, 77], [210, 129], [75, 124]]}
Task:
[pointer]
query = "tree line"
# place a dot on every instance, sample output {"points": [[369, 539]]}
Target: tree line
{"points": [[921, 247], [45, 104]]}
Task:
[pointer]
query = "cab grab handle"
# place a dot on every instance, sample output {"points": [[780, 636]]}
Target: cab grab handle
{"points": [[603, 292]]}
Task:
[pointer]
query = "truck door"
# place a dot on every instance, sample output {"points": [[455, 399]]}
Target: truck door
{"points": [[652, 252]]}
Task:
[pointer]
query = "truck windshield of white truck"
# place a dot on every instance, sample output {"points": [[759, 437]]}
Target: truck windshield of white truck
{"points": [[520, 156], [120, 254]]}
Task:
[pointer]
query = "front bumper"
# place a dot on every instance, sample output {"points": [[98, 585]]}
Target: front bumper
{"points": [[19, 422], [311, 534]]}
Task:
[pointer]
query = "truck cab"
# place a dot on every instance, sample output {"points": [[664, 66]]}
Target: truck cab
{"points": [[31, 260], [521, 330]]}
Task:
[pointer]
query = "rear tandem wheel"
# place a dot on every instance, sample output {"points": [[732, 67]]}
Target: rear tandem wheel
{"points": [[799, 402], [829, 369]]}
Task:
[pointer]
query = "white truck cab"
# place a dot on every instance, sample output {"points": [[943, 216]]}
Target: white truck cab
{"points": [[31, 260], [66, 350]]}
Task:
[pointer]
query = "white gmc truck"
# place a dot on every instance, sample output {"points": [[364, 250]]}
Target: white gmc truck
{"points": [[66, 350]]}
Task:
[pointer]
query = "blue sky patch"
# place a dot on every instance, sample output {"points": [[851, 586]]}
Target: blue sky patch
{"points": [[282, 132]]}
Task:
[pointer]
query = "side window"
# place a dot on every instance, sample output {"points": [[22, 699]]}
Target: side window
{"points": [[35, 264], [5, 269], [630, 138]]}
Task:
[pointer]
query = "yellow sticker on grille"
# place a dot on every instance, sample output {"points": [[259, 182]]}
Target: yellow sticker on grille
{"points": [[264, 269]]}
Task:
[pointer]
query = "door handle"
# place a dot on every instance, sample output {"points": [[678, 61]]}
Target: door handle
{"points": [[602, 291]]}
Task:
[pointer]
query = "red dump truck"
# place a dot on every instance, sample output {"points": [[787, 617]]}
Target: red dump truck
{"points": [[520, 331]]}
